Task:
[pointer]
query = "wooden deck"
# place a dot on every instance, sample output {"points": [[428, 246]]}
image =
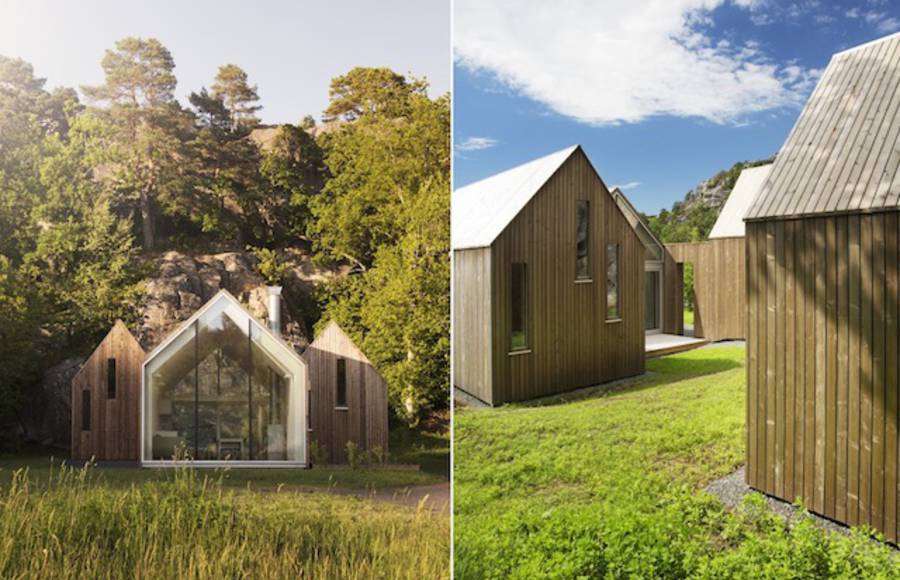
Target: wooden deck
{"points": [[663, 344]]}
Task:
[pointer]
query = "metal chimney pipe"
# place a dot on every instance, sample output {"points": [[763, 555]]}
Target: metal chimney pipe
{"points": [[274, 307]]}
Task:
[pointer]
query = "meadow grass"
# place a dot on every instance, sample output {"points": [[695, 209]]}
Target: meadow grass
{"points": [[609, 483], [429, 450], [689, 317], [187, 524]]}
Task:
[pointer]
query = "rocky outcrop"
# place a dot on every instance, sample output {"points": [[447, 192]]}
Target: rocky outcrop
{"points": [[184, 283]]}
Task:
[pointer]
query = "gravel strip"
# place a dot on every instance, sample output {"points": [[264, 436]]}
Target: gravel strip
{"points": [[732, 489]]}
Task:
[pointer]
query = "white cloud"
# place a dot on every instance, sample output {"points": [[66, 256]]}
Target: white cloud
{"points": [[888, 25], [627, 186], [608, 62], [476, 144], [880, 20]]}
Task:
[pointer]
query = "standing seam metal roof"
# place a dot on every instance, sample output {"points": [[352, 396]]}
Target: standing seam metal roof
{"points": [[843, 153]]}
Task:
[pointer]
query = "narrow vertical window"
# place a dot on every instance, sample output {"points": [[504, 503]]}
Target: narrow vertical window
{"points": [[341, 383], [86, 410], [519, 306], [110, 378], [612, 281], [582, 239]]}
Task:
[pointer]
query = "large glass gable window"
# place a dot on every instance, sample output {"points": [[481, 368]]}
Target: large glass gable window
{"points": [[223, 390]]}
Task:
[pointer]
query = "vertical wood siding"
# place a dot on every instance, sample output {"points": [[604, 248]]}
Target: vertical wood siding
{"points": [[719, 279], [472, 363], [365, 420], [571, 344], [115, 423], [822, 364]]}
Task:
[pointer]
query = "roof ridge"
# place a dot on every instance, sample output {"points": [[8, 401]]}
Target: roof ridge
{"points": [[867, 44]]}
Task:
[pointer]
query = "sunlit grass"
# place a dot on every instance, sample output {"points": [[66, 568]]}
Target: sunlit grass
{"points": [[610, 484], [188, 525]]}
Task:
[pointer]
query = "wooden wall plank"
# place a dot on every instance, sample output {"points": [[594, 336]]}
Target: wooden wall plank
{"points": [[841, 332], [752, 292], [865, 461], [878, 390]]}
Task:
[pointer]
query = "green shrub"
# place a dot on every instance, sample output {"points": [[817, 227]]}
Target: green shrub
{"points": [[318, 454], [355, 457]]}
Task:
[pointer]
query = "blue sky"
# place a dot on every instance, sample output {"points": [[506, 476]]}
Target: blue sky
{"points": [[290, 49], [660, 97]]}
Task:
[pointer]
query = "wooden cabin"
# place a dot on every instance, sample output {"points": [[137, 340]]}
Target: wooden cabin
{"points": [[822, 293], [548, 282], [348, 398], [106, 400], [225, 389]]}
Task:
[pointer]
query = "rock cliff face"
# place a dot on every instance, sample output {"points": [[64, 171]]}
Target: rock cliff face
{"points": [[184, 283], [181, 284]]}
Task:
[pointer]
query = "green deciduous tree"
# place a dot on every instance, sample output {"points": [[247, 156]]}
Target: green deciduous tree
{"points": [[386, 209]]}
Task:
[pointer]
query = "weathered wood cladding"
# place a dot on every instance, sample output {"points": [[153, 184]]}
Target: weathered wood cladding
{"points": [[672, 295], [822, 372], [472, 368], [114, 433], [570, 342], [719, 297], [364, 420]]}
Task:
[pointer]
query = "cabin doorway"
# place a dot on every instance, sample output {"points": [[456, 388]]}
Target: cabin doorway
{"points": [[653, 299]]}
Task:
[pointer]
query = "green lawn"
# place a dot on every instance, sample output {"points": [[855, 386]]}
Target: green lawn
{"points": [[689, 317], [612, 485], [431, 451]]}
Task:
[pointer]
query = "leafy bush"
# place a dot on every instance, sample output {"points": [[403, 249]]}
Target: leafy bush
{"points": [[318, 454], [355, 457]]}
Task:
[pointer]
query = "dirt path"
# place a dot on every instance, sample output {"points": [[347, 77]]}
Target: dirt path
{"points": [[435, 496]]}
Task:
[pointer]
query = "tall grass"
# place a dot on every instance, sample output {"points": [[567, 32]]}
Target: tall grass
{"points": [[188, 526]]}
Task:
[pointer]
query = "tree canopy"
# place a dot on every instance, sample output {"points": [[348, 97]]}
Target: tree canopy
{"points": [[91, 192]]}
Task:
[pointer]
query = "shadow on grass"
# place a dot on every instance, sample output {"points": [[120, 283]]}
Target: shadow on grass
{"points": [[430, 450], [661, 371]]}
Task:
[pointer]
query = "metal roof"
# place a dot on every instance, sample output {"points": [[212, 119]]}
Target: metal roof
{"points": [[645, 234], [481, 211], [844, 150], [730, 223]]}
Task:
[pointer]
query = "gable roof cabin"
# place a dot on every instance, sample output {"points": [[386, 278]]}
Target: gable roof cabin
{"points": [[547, 282], [106, 399], [348, 396], [730, 223], [823, 287]]}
